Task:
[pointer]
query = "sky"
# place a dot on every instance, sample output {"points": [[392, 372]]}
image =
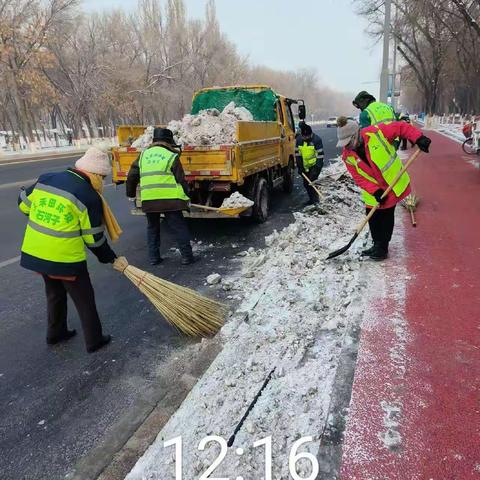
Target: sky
{"points": [[283, 34]]}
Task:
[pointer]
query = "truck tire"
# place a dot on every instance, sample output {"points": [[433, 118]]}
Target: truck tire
{"points": [[288, 177], [261, 197]]}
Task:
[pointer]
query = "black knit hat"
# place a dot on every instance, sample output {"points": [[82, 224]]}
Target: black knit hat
{"points": [[363, 95], [163, 135], [306, 130]]}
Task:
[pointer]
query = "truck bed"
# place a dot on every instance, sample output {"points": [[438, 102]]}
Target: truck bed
{"points": [[257, 147]]}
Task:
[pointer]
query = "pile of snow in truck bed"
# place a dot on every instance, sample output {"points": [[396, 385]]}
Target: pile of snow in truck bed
{"points": [[296, 317], [209, 127]]}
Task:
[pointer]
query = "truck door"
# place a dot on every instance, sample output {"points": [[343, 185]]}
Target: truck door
{"points": [[283, 134]]}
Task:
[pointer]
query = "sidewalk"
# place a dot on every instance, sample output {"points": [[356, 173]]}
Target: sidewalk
{"points": [[415, 408]]}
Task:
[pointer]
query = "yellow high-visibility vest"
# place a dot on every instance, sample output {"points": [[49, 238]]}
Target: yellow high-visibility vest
{"points": [[157, 181], [380, 112], [58, 225], [309, 155]]}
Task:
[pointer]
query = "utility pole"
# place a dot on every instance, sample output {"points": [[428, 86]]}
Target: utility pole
{"points": [[386, 48], [394, 76]]}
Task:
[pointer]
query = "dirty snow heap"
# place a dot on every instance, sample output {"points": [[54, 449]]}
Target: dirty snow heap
{"points": [[209, 127], [235, 200]]}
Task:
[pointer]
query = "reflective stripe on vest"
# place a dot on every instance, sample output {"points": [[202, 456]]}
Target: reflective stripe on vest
{"points": [[380, 112], [309, 155], [58, 226], [385, 157], [368, 198], [157, 181], [24, 198]]}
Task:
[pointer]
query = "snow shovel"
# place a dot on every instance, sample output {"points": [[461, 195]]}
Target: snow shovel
{"points": [[338, 252], [312, 185], [230, 211]]}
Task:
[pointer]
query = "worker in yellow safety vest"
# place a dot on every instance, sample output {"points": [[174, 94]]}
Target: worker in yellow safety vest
{"points": [[163, 190], [67, 213], [372, 111], [373, 163], [309, 157]]}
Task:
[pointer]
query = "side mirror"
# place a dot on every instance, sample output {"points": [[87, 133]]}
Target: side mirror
{"points": [[302, 112]]}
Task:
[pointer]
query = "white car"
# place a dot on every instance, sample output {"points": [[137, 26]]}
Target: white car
{"points": [[332, 122]]}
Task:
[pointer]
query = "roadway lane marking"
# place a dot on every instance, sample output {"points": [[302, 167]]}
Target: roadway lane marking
{"points": [[17, 184], [30, 181], [9, 262], [59, 157]]}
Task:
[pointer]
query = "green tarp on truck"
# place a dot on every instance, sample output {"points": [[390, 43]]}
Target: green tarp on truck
{"points": [[259, 101]]}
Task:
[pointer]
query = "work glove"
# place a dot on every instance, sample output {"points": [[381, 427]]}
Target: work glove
{"points": [[423, 143], [378, 196], [120, 264]]}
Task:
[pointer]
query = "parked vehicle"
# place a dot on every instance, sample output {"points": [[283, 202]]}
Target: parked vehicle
{"points": [[261, 158], [332, 122]]}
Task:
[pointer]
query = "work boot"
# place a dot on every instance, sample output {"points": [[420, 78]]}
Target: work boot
{"points": [[104, 341], [157, 261], [380, 252], [65, 336], [368, 251], [189, 259]]}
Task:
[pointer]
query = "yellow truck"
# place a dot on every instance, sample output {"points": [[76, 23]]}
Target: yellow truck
{"points": [[261, 158]]}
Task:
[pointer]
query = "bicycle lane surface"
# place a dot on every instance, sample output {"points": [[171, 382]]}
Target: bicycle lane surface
{"points": [[415, 408]]}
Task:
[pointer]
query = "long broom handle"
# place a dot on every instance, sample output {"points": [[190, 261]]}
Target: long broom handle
{"points": [[204, 207], [312, 185], [412, 215], [388, 190]]}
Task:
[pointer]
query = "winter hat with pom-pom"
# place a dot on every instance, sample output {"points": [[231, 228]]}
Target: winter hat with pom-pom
{"points": [[94, 161], [346, 130]]}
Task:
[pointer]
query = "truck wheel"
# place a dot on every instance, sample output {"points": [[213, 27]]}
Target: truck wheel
{"points": [[261, 197], [288, 178]]}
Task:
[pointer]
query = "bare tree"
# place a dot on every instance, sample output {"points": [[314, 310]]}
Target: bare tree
{"points": [[438, 39]]}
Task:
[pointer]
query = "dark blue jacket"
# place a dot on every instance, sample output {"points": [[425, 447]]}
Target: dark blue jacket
{"points": [[317, 142]]}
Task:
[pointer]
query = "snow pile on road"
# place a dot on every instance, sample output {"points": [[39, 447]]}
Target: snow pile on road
{"points": [[296, 317], [209, 127], [236, 200]]}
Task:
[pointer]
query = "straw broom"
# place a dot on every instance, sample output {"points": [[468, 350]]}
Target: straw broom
{"points": [[189, 312], [410, 202]]}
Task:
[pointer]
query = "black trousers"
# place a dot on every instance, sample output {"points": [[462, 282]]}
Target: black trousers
{"points": [[312, 174], [177, 224], [83, 296], [381, 225]]}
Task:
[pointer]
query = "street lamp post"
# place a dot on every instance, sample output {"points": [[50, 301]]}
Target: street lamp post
{"points": [[386, 48]]}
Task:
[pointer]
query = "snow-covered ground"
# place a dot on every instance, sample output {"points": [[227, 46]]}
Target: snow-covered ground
{"points": [[452, 131], [295, 320]]}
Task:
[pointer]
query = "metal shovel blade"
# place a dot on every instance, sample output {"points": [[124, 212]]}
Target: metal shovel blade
{"points": [[338, 252], [232, 211]]}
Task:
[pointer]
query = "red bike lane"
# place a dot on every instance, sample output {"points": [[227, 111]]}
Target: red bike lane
{"points": [[415, 408]]}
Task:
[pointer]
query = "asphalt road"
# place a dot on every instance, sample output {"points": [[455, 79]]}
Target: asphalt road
{"points": [[56, 403]]}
